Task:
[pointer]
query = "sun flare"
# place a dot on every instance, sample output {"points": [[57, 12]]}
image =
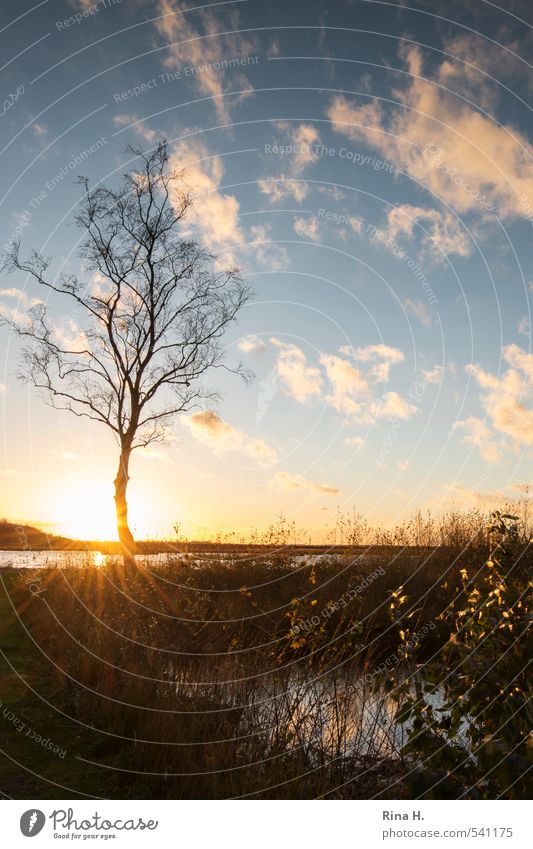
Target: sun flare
{"points": [[87, 512]]}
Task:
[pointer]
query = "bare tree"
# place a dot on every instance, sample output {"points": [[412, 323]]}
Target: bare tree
{"points": [[153, 316]]}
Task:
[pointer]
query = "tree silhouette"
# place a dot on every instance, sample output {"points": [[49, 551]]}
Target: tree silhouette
{"points": [[154, 316]]}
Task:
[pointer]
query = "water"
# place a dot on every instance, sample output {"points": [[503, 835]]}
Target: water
{"points": [[61, 559]]}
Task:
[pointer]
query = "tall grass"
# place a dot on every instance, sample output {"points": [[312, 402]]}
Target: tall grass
{"points": [[255, 673]]}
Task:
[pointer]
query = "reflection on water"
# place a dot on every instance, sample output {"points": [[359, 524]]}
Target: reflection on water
{"points": [[333, 717], [42, 559], [60, 559]]}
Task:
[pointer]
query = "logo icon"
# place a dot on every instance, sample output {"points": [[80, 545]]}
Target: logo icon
{"points": [[32, 822]]}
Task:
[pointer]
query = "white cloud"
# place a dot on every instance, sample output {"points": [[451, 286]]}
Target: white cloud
{"points": [[282, 188], [21, 296], [214, 214], [390, 406], [252, 344], [70, 336], [504, 397], [350, 391], [356, 442], [299, 380], [307, 227], [301, 140], [222, 437], [194, 42], [375, 352], [137, 125], [420, 310], [477, 433], [284, 480], [434, 375], [441, 233], [384, 354], [304, 139], [464, 496], [332, 192], [266, 252], [463, 156], [524, 327], [347, 385]]}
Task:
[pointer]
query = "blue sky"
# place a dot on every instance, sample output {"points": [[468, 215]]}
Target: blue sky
{"points": [[369, 167]]}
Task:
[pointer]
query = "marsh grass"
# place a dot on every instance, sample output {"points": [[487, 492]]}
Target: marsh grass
{"points": [[251, 673], [192, 684]]}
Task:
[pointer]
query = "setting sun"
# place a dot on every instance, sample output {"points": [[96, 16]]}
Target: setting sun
{"points": [[88, 512]]}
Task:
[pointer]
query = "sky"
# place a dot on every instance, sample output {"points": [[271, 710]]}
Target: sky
{"points": [[369, 167]]}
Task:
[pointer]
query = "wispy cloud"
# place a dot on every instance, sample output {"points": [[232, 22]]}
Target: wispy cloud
{"points": [[434, 375], [215, 214], [504, 397], [282, 187], [461, 155], [21, 296], [465, 496], [383, 357], [307, 227], [252, 344], [299, 380], [524, 326], [285, 480], [342, 385], [137, 125], [266, 252], [302, 141], [348, 386], [421, 311], [223, 438], [356, 442], [477, 433], [201, 39]]}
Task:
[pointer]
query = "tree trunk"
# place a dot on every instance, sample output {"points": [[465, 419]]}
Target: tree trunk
{"points": [[125, 536]]}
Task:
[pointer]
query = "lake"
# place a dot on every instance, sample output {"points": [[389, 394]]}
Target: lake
{"points": [[61, 559]]}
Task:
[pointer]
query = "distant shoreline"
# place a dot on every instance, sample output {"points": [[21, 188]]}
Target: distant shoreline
{"points": [[34, 540]]}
